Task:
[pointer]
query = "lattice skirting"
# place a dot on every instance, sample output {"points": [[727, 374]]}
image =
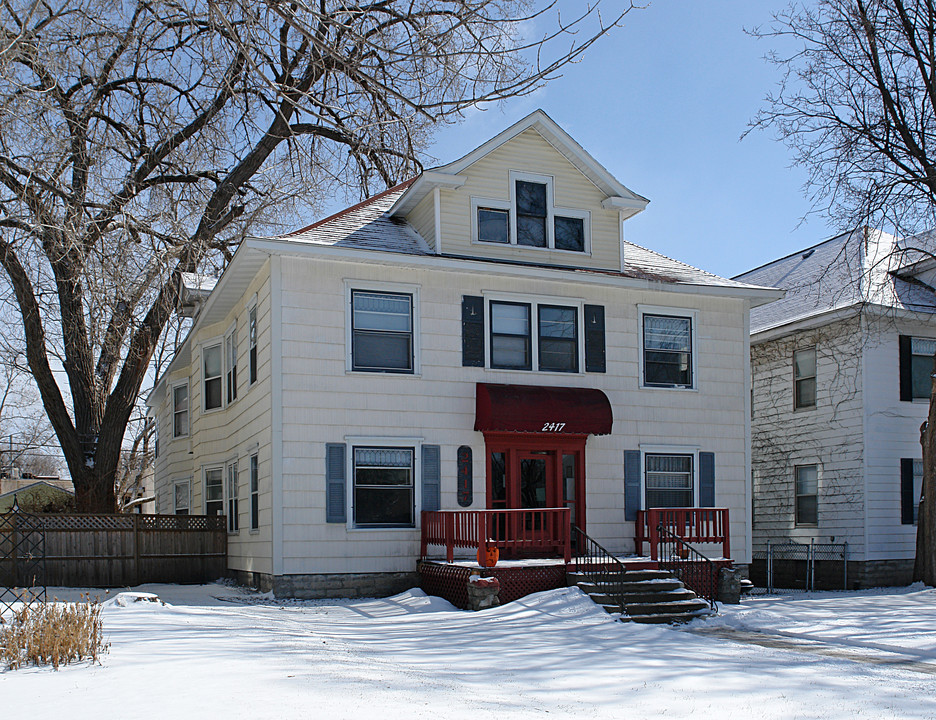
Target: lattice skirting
{"points": [[450, 581]]}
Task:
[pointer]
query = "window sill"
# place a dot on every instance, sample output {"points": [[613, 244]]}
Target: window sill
{"points": [[806, 408], [382, 373], [680, 388], [408, 528]]}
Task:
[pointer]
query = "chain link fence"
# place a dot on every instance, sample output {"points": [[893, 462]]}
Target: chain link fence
{"points": [[799, 566]]}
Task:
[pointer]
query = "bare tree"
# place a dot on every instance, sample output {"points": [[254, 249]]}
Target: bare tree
{"points": [[142, 140], [857, 106]]}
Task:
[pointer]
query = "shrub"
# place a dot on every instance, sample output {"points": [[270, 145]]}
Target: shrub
{"points": [[52, 633]]}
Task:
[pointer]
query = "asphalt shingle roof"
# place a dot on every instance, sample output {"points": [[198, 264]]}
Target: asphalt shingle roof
{"points": [[842, 272]]}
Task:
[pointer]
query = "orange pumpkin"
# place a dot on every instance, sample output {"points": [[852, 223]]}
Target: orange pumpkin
{"points": [[488, 557]]}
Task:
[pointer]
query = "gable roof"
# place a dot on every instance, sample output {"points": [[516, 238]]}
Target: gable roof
{"points": [[860, 267], [617, 196]]}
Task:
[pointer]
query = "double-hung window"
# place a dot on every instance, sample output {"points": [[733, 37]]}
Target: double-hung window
{"points": [[513, 346], [232, 513], [510, 336], [230, 362], [532, 215], [182, 497], [214, 491], [180, 411], [667, 351], [381, 331], [558, 338], [493, 225], [213, 397], [668, 480], [384, 489], [254, 491], [252, 342], [921, 366], [804, 378], [807, 494]]}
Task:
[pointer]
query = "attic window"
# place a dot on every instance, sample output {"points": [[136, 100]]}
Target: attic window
{"points": [[530, 219]]}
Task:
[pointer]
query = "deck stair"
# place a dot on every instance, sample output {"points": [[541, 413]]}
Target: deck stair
{"points": [[648, 596]]}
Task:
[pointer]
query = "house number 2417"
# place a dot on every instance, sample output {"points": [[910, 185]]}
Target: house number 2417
{"points": [[553, 427]]}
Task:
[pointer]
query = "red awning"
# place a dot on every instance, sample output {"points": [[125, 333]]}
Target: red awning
{"points": [[531, 409]]}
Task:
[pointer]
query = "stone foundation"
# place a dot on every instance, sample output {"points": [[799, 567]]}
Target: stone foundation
{"points": [[343, 585], [258, 581]]}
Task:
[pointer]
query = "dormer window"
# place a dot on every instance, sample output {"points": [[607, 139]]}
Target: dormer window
{"points": [[529, 218], [532, 213]]}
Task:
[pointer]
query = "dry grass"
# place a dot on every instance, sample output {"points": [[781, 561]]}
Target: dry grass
{"points": [[52, 633]]}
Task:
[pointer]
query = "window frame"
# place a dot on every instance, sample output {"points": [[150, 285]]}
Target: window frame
{"points": [[798, 380], [230, 365], [529, 336], [253, 335], [928, 371], [219, 467], [232, 496], [390, 443], [672, 312], [797, 494], [253, 466], [383, 288], [205, 348], [669, 451], [539, 337], [187, 484], [534, 302], [552, 212], [917, 495], [173, 412]]}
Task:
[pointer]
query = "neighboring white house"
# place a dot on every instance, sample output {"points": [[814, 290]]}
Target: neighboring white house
{"points": [[338, 380], [841, 385]]}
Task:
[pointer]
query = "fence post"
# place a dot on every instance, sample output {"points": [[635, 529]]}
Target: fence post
{"points": [[136, 548], [811, 566], [769, 568], [845, 566]]}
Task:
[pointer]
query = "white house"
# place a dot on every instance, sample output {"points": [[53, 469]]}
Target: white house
{"points": [[479, 337], [841, 386]]}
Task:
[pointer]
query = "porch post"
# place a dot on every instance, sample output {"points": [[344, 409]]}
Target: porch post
{"points": [[482, 539], [726, 542], [565, 518], [653, 521], [449, 523]]}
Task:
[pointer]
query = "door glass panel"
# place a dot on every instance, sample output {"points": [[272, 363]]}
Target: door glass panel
{"points": [[498, 481], [533, 483], [568, 484]]}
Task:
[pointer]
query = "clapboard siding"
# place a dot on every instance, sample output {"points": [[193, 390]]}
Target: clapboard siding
{"points": [[229, 434], [892, 433], [489, 178], [829, 435], [324, 403]]}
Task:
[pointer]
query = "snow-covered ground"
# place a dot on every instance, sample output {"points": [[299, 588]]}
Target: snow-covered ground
{"points": [[221, 652]]}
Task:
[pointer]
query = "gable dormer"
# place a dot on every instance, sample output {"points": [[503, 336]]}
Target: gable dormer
{"points": [[531, 194]]}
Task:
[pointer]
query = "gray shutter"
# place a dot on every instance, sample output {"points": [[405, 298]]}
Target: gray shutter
{"points": [[594, 338], [335, 483], [431, 477], [907, 501], [906, 371], [472, 331], [631, 484], [707, 479]]}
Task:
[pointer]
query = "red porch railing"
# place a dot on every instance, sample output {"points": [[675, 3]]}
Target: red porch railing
{"points": [[692, 525], [519, 532]]}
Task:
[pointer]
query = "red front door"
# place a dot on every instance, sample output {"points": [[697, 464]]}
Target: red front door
{"points": [[536, 471]]}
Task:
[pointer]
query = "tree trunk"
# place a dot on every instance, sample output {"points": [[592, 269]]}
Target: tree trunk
{"points": [[924, 568]]}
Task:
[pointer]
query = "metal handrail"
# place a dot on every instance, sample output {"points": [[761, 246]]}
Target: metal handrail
{"points": [[599, 566], [693, 569]]}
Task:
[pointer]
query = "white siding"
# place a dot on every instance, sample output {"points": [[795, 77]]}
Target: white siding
{"points": [[892, 432], [323, 403], [489, 178], [225, 435], [829, 435]]}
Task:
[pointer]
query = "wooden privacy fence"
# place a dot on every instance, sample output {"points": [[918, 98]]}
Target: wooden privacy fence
{"points": [[124, 550]]}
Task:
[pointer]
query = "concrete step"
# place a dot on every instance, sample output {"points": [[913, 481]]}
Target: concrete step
{"points": [[665, 596], [633, 587], [675, 606], [672, 618]]}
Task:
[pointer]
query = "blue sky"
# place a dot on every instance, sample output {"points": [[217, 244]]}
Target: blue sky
{"points": [[662, 104]]}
